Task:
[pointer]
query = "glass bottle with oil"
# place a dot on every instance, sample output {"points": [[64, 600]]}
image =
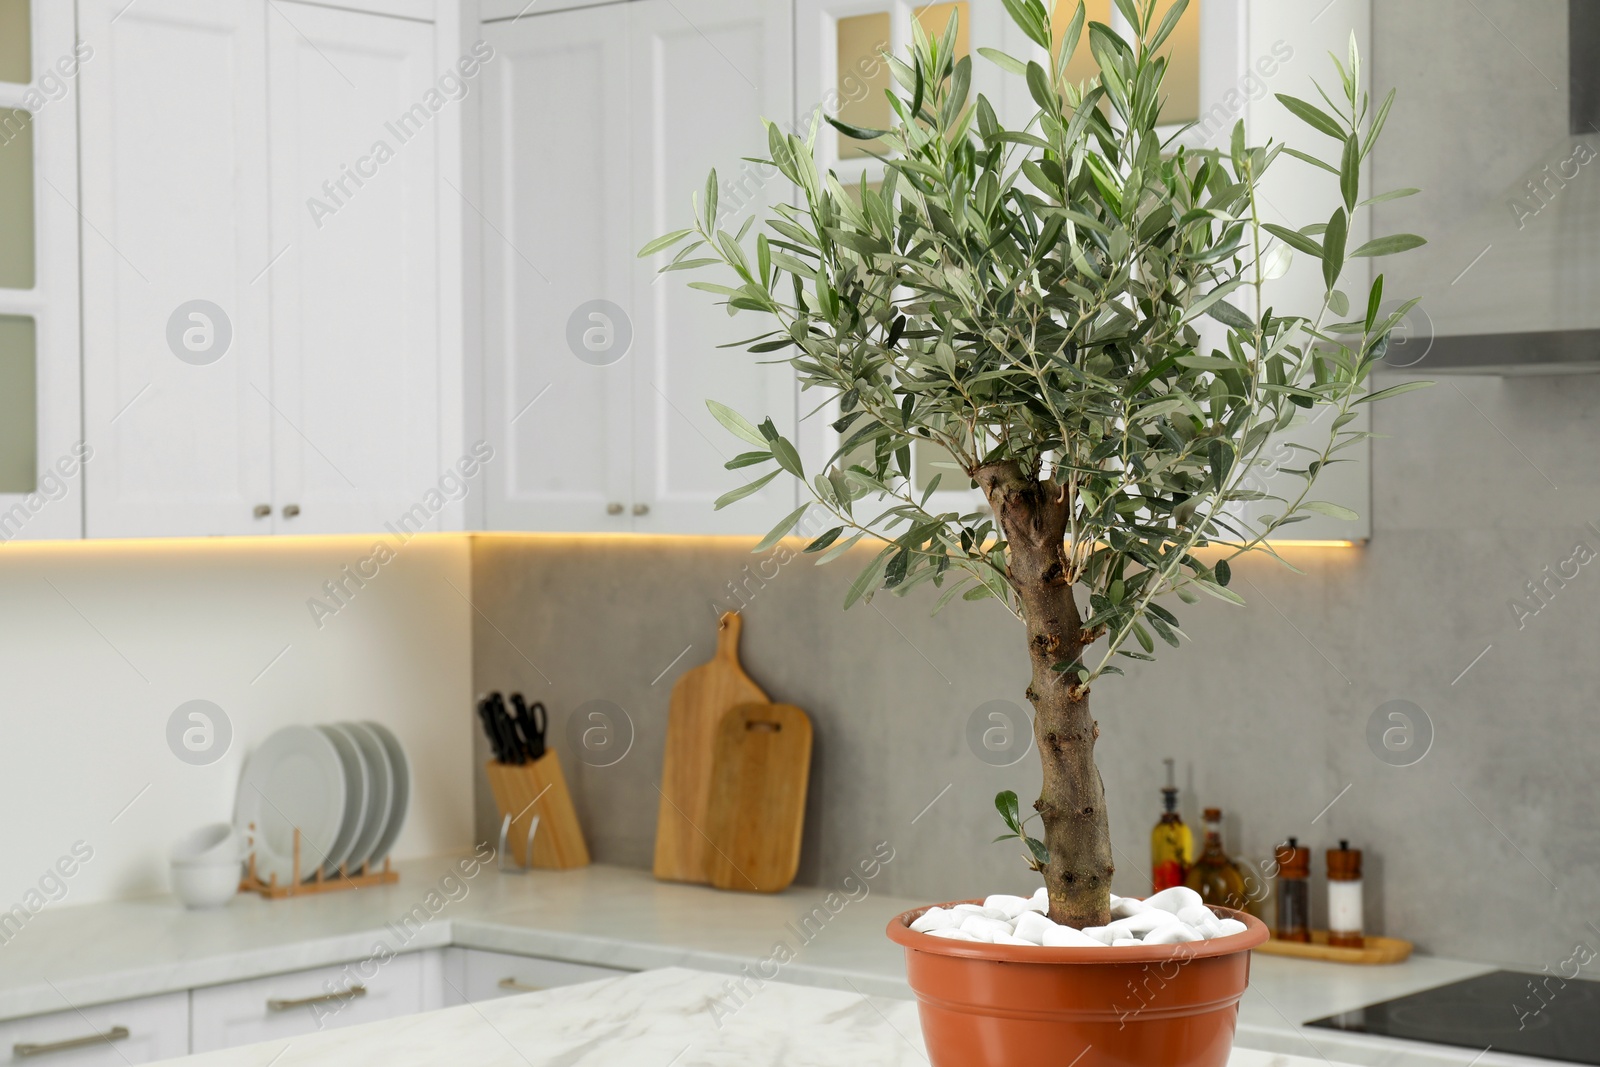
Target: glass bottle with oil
{"points": [[1171, 843], [1214, 876]]}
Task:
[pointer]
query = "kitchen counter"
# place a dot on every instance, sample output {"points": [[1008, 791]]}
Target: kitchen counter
{"points": [[657, 1019], [610, 916]]}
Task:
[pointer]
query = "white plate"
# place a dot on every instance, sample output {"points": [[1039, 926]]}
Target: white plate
{"points": [[293, 780], [400, 802], [355, 798], [380, 791]]}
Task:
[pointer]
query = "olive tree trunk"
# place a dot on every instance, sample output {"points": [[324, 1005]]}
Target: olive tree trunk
{"points": [[1033, 518]]}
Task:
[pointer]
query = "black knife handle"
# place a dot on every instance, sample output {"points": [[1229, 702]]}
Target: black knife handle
{"points": [[486, 716]]}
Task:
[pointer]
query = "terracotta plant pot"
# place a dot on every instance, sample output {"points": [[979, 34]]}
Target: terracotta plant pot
{"points": [[988, 1005]]}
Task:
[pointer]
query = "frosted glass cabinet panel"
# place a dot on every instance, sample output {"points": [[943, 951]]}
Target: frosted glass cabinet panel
{"points": [[1082, 66], [16, 199], [935, 19], [19, 399], [16, 40], [863, 77]]}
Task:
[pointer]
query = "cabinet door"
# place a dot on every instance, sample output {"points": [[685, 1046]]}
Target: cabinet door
{"points": [[475, 974], [355, 287], [705, 73], [558, 259], [304, 1002], [175, 258], [130, 1031]]}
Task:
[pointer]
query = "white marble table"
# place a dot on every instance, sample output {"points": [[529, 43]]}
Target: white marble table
{"points": [[656, 1019]]}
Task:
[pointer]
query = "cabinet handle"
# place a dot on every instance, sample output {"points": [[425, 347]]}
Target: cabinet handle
{"points": [[613, 508], [274, 1004], [262, 510], [291, 510], [29, 1048], [520, 987], [641, 509]]}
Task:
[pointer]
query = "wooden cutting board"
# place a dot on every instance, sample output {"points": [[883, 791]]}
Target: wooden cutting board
{"points": [[760, 772], [700, 699]]}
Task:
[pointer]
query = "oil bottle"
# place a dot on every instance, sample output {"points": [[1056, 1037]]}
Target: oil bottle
{"points": [[1214, 876], [1171, 843]]}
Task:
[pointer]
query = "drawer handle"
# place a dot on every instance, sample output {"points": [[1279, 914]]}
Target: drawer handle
{"points": [[28, 1048], [520, 987], [352, 993]]}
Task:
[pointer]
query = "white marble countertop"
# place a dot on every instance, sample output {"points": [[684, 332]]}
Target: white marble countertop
{"points": [[656, 1019], [610, 916]]}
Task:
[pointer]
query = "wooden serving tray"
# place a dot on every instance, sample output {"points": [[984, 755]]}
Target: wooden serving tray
{"points": [[1376, 950]]}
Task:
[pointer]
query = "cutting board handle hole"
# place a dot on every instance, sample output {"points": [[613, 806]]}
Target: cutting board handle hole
{"points": [[766, 727]]}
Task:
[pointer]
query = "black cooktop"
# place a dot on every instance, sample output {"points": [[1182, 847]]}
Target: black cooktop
{"points": [[1543, 1014]]}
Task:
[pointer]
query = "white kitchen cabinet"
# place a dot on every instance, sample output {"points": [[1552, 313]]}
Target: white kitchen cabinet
{"points": [[279, 163], [303, 1002], [599, 408], [555, 193], [706, 72], [355, 351], [475, 974], [102, 1035], [174, 177]]}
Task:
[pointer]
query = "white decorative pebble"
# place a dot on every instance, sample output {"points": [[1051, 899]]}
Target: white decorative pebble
{"points": [[1201, 919], [1031, 927], [985, 929], [935, 919], [1172, 917], [1172, 934], [1126, 907], [1067, 937], [1175, 899], [1008, 906], [1142, 923]]}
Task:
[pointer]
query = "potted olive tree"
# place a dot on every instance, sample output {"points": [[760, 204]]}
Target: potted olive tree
{"points": [[1030, 302]]}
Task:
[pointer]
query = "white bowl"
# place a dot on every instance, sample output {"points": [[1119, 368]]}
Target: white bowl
{"points": [[205, 885], [215, 843]]}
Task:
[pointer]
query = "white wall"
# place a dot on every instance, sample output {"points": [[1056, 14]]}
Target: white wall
{"points": [[101, 641]]}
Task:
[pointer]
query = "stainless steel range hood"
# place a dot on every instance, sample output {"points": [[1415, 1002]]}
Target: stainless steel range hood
{"points": [[1501, 131]]}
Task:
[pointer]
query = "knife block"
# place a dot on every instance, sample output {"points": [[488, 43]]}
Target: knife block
{"points": [[539, 789]]}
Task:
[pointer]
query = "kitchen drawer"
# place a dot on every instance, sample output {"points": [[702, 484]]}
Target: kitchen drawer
{"points": [[157, 1028], [304, 1002], [480, 975]]}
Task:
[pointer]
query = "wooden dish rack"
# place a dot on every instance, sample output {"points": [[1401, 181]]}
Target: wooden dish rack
{"points": [[360, 878]]}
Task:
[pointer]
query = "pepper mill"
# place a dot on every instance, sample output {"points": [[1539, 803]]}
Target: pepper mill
{"points": [[1344, 897]]}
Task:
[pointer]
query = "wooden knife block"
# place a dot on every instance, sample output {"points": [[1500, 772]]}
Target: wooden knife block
{"points": [[539, 788]]}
